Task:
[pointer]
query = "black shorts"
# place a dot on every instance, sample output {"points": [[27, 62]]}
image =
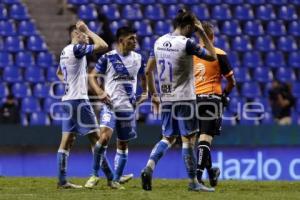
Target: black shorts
{"points": [[209, 114]]}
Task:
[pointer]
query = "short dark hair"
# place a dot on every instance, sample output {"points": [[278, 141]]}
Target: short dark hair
{"points": [[184, 18], [71, 29], [125, 31], [208, 28]]}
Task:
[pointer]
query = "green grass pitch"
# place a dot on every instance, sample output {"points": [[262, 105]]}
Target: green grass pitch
{"points": [[163, 189]]}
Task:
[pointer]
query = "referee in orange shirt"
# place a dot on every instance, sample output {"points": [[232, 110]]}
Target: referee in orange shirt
{"points": [[210, 102]]}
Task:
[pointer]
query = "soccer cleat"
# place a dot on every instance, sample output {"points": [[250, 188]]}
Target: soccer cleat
{"points": [[93, 181], [146, 177], [125, 178], [115, 185], [68, 185], [199, 188], [213, 175]]}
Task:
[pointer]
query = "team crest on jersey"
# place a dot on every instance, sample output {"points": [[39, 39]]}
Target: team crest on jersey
{"points": [[167, 44], [106, 117]]}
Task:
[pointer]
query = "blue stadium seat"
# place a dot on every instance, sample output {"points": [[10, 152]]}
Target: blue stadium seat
{"points": [[285, 74], [162, 27], [276, 28], [148, 43], [154, 12], [24, 119], [243, 12], [265, 103], [12, 74], [236, 103], [6, 59], [114, 25], [228, 118], [241, 75], [250, 90], [3, 12], [253, 28], [294, 2], [14, 44], [221, 12], [264, 43], [94, 26], [234, 59], [231, 28], [265, 12], [21, 90], [36, 43], [87, 12], [101, 2], [34, 74], [212, 2], [123, 2], [268, 119], [30, 104], [48, 102], [111, 11], [252, 59], [234, 2], [7, 28], [168, 2], [9, 2], [294, 28], [278, 2], [251, 120], [39, 119], [287, 44], [294, 59], [3, 90], [222, 42], [41, 90], [45, 59], [241, 44], [78, 2], [59, 89], [189, 2], [145, 2], [296, 91], [51, 74], [172, 10], [143, 28], [275, 59], [24, 59], [132, 12], [18, 12], [256, 2], [288, 13], [1, 45], [262, 75], [201, 11], [27, 28]]}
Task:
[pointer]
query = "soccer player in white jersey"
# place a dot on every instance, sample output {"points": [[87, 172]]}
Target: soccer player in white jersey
{"points": [[78, 115], [119, 69], [173, 58]]}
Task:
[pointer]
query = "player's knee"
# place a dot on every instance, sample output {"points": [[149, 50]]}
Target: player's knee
{"points": [[122, 145], [170, 140], [205, 137]]}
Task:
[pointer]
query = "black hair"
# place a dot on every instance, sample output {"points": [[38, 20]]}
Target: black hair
{"points": [[125, 31], [71, 29], [184, 18]]}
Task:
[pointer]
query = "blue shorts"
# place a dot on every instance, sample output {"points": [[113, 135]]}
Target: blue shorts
{"points": [[179, 118], [78, 117], [123, 122]]}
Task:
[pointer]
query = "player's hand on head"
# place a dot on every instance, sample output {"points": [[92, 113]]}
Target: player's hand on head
{"points": [[80, 25]]}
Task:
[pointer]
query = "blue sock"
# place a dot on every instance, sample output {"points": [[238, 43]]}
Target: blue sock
{"points": [[98, 157], [189, 159], [62, 158], [106, 168], [120, 162], [157, 153]]}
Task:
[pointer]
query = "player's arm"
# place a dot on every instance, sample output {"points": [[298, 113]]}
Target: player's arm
{"points": [[207, 53], [143, 79], [99, 43], [151, 83], [227, 72], [59, 74]]}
